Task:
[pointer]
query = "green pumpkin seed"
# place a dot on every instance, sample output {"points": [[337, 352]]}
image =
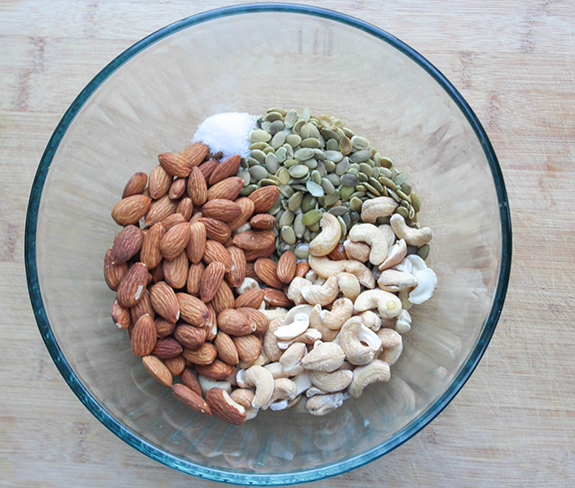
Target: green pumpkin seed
{"points": [[272, 163], [273, 116], [347, 192], [289, 151], [348, 132], [385, 172], [384, 180], [258, 145], [358, 194], [258, 172], [345, 145], [343, 226], [295, 201], [400, 179], [328, 134], [268, 182], [359, 156], [366, 168], [423, 251], [298, 171], [247, 190], [371, 189], [402, 211], [259, 135], [375, 173], [283, 247], [327, 122], [406, 188], [359, 143], [314, 229], [349, 180], [281, 111], [313, 131], [305, 114], [415, 201], [291, 162], [252, 162], [311, 142], [283, 175], [298, 226], [311, 217], [244, 175], [347, 219], [354, 218], [290, 119], [334, 156], [386, 162], [287, 191], [276, 127], [411, 213], [281, 154], [342, 166], [329, 166], [314, 189], [402, 195], [355, 204], [293, 140], [332, 145], [340, 210], [299, 187], [297, 126], [288, 235], [331, 199], [286, 219], [305, 131], [393, 195], [376, 184], [362, 177], [383, 220], [278, 140], [315, 177], [321, 168], [376, 158], [308, 203], [259, 156], [318, 154], [393, 174], [265, 126], [304, 154], [327, 186], [301, 251], [269, 150], [310, 163]]}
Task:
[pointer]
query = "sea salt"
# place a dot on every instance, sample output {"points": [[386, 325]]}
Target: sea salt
{"points": [[227, 132]]}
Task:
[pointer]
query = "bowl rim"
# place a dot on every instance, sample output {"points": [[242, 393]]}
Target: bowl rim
{"points": [[218, 474]]}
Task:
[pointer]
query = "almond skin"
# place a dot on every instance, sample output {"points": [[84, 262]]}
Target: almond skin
{"points": [[164, 301], [249, 347], [229, 189], [197, 187], [158, 370], [175, 365], [160, 209], [175, 241], [235, 323], [131, 209], [228, 167], [338, 254], [190, 399], [197, 244], [172, 220], [263, 221], [254, 239], [254, 254], [136, 184], [218, 370], [286, 267], [237, 272], [120, 315], [195, 278], [192, 310], [143, 307], [177, 188], [175, 165], [167, 348], [276, 298], [224, 408], [113, 272], [185, 208], [216, 252], [191, 381], [189, 336], [247, 207], [208, 167], [195, 153], [266, 270], [216, 230], [164, 327], [176, 271], [150, 253], [211, 279], [223, 299], [205, 354], [220, 209], [226, 348], [264, 198], [160, 182], [144, 337], [132, 285], [250, 299], [258, 319]]}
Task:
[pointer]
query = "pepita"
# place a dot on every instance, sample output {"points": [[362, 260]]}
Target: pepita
{"points": [[258, 172], [342, 166], [355, 204], [288, 235], [400, 179], [359, 143], [339, 210], [295, 201], [415, 201], [290, 119], [349, 180], [268, 182], [278, 140], [311, 217], [332, 145], [283, 175], [298, 226], [315, 189], [298, 171], [308, 203], [302, 251], [334, 156], [259, 135]]}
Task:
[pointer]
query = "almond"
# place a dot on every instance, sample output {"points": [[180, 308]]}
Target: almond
{"points": [[237, 272], [143, 307], [131, 209], [286, 267], [196, 216], [120, 315], [164, 327], [205, 354], [113, 272], [160, 182], [195, 153], [266, 270], [247, 207], [174, 164], [208, 167], [158, 370], [338, 254], [177, 188], [190, 399], [254, 254], [197, 187], [211, 325], [218, 370], [216, 230], [228, 167], [150, 279], [226, 348], [144, 337], [264, 198], [167, 348], [257, 318], [249, 347], [172, 221], [132, 285], [220, 209], [254, 239], [185, 208], [223, 407], [175, 365], [263, 221], [191, 381], [211, 279], [157, 274], [195, 278], [175, 241], [276, 298], [192, 310], [229, 189], [176, 271], [302, 269], [216, 252], [127, 243], [224, 298], [250, 299], [136, 184], [164, 301], [160, 209], [189, 336], [235, 323], [197, 245], [150, 253], [250, 271]]}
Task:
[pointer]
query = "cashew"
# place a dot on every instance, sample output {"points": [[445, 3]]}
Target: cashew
{"points": [[403, 323], [389, 338], [377, 207], [328, 238], [296, 328], [403, 296], [259, 361], [308, 337], [240, 375], [326, 357], [243, 396], [366, 375], [393, 280], [291, 359], [313, 391], [322, 295], [362, 273], [391, 354], [389, 305], [302, 383], [247, 285], [275, 313], [262, 306], [371, 320], [412, 236], [395, 255], [316, 323], [325, 267], [294, 402], [348, 285], [357, 250], [311, 275], [289, 318], [330, 382], [427, 283], [206, 384], [284, 389], [279, 405], [372, 236], [350, 341], [294, 290], [341, 311], [324, 404], [270, 342], [277, 370], [262, 380], [388, 233]]}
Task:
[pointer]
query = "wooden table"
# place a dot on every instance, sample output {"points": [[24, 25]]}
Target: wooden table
{"points": [[513, 424]]}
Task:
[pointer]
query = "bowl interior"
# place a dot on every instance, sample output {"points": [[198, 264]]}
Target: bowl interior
{"points": [[247, 62]]}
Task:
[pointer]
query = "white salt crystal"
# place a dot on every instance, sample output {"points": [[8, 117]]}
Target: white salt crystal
{"points": [[227, 132]]}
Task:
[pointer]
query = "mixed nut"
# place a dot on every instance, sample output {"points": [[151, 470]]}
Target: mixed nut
{"points": [[254, 280]]}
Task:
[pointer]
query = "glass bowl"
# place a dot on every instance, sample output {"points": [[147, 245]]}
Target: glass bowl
{"points": [[150, 100]]}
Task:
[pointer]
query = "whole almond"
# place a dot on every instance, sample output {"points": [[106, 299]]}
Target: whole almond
{"points": [[144, 337], [224, 298], [229, 189], [143, 307], [192, 310], [185, 208], [160, 209], [174, 164], [229, 243], [113, 272], [127, 243], [197, 245], [175, 365], [286, 267], [150, 253], [254, 254], [223, 407], [172, 220], [175, 241], [266, 270], [157, 274], [216, 252], [158, 370], [211, 325], [208, 167], [189, 336], [164, 301], [262, 221], [220, 209], [190, 399], [276, 298], [211, 279], [254, 239], [237, 272], [228, 167], [257, 318], [176, 271], [167, 348], [164, 327], [302, 269], [132, 285], [235, 323], [160, 182], [226, 348], [120, 315], [264, 198], [131, 209], [250, 271], [195, 153], [250, 299], [136, 184], [218, 370], [190, 379], [196, 216], [177, 188], [216, 229], [197, 187], [205, 354], [247, 207], [195, 278], [249, 347], [338, 254]]}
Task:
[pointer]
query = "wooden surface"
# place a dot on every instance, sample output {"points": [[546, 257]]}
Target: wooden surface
{"points": [[513, 424]]}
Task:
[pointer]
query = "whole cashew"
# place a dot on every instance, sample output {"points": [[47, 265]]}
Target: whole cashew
{"points": [[366, 375], [328, 238], [403, 323], [316, 322], [322, 295], [362, 272], [325, 267], [294, 290], [326, 357], [277, 370], [263, 382], [324, 404], [388, 233], [357, 250], [350, 341], [341, 311], [330, 382], [412, 236], [403, 296], [306, 309], [391, 355], [296, 328], [377, 207], [371, 320], [388, 305], [284, 389], [308, 337], [270, 343], [393, 280], [206, 384], [349, 285], [291, 359], [313, 391], [372, 236], [395, 255]]}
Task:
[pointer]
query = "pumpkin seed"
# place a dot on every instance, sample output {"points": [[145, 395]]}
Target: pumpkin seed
{"points": [[349, 180], [400, 179], [305, 131], [252, 162], [346, 192], [358, 194], [247, 190], [393, 174], [334, 156], [305, 114], [355, 204], [319, 154], [359, 143], [362, 177], [415, 201], [244, 175], [315, 177], [343, 226], [328, 134], [287, 218], [301, 251], [383, 220], [298, 125], [331, 199], [291, 162], [371, 189], [259, 135], [332, 145], [272, 164], [290, 119], [258, 172], [314, 189], [311, 217], [281, 111], [327, 186], [276, 126], [304, 154], [310, 163], [334, 179], [278, 140], [376, 184], [406, 188], [342, 166], [288, 235], [384, 180], [283, 176], [287, 191], [308, 203], [298, 226], [268, 150], [299, 187], [359, 156], [411, 213], [402, 195], [281, 153], [393, 195], [386, 162], [376, 158], [314, 132], [259, 156], [295, 200], [321, 168], [311, 142], [423, 251], [268, 182], [283, 247], [340, 210], [289, 151], [348, 132], [312, 235], [402, 211], [385, 172], [329, 166], [345, 145], [366, 168], [273, 116], [327, 122], [293, 140], [258, 145], [299, 171]]}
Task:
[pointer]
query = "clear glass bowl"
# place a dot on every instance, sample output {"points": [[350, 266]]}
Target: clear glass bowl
{"points": [[149, 100]]}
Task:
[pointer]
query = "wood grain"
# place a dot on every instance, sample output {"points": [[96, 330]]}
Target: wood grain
{"points": [[513, 424]]}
